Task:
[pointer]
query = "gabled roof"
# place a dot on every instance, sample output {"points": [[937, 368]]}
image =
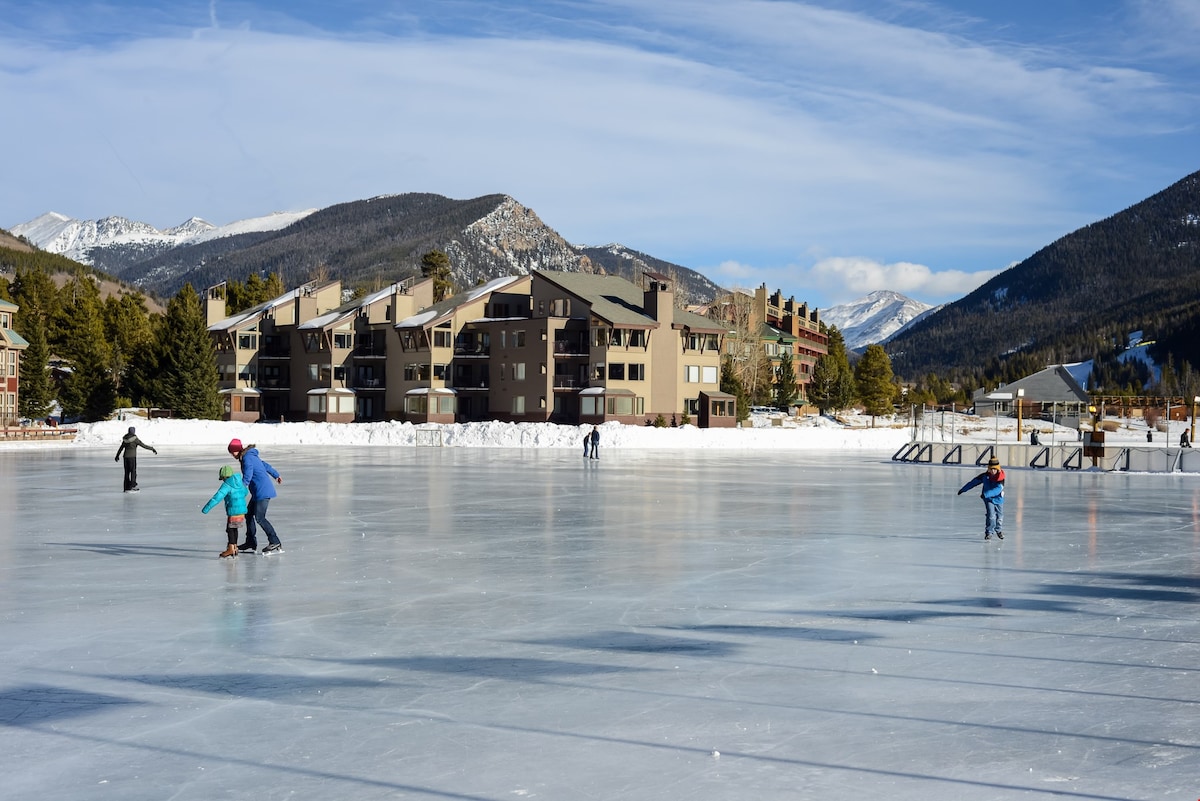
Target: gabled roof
{"points": [[1055, 384], [444, 310], [256, 313], [621, 303], [351, 309], [12, 339]]}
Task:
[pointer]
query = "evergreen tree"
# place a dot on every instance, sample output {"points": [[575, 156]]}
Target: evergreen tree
{"points": [[822, 390], [88, 391], [436, 265], [37, 393], [187, 380], [34, 292], [127, 322], [873, 382], [732, 385], [786, 387]]}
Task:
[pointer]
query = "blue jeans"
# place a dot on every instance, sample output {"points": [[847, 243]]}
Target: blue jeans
{"points": [[256, 515], [994, 520]]}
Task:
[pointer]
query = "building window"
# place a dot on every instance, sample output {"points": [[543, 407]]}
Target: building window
{"points": [[519, 371], [598, 371], [710, 375], [339, 374], [518, 404], [439, 372], [616, 372], [344, 341], [637, 372], [615, 338], [637, 339], [691, 373], [518, 339], [589, 405], [625, 405], [247, 341], [599, 337], [442, 339]]}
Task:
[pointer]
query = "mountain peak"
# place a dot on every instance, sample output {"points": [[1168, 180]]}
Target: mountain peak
{"points": [[874, 317]]}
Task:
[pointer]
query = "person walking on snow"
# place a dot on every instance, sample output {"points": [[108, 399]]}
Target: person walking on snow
{"points": [[257, 475], [993, 498], [234, 493], [129, 445]]}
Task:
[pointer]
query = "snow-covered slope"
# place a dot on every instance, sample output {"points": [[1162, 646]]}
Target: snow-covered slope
{"points": [[75, 239], [874, 318]]}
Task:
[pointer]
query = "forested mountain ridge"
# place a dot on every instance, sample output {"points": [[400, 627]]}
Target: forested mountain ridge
{"points": [[370, 243], [1077, 298]]}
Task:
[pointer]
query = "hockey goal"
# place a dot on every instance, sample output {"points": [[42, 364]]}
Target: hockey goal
{"points": [[428, 437]]}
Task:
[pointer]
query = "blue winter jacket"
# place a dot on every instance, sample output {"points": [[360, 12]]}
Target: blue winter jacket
{"points": [[233, 491], [258, 474], [993, 488]]}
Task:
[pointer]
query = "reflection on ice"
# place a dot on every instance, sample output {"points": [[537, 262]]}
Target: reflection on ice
{"points": [[489, 624]]}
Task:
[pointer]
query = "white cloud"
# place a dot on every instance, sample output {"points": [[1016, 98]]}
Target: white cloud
{"points": [[848, 278]]}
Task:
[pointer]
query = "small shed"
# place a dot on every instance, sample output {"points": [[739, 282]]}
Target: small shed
{"points": [[717, 410]]}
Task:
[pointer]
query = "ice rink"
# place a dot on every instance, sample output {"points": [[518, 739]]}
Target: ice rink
{"points": [[504, 624]]}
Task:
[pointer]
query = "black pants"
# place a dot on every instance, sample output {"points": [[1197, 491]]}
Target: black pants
{"points": [[130, 474]]}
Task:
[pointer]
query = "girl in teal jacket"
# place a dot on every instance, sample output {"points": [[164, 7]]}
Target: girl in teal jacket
{"points": [[234, 493]]}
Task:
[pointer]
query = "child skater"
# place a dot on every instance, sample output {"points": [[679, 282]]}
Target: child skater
{"points": [[234, 492], [993, 497]]}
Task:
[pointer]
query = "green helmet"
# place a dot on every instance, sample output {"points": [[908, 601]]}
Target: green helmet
{"points": [[225, 472]]}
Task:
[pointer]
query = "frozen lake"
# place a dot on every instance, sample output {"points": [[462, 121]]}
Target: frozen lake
{"points": [[493, 624]]}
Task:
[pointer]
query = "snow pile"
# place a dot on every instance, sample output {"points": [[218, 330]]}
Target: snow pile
{"points": [[809, 433]]}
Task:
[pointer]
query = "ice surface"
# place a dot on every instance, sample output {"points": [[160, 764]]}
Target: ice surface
{"points": [[492, 623]]}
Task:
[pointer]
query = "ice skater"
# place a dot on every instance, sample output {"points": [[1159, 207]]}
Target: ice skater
{"points": [[595, 438], [257, 475], [129, 445], [993, 498], [234, 493]]}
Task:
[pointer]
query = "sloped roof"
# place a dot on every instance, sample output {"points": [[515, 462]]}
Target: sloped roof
{"points": [[444, 310], [255, 313], [621, 303], [1055, 384]]}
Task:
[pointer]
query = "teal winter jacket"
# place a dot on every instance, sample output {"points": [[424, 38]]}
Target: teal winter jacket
{"points": [[234, 492]]}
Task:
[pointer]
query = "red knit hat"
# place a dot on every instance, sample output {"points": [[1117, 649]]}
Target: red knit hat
{"points": [[235, 446]]}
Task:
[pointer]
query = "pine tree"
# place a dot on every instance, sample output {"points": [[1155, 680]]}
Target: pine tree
{"points": [[873, 382], [187, 363], [127, 322], [732, 385], [786, 387], [436, 265], [88, 391], [34, 292]]}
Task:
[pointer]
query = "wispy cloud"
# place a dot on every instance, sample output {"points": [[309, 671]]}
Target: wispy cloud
{"points": [[714, 134]]}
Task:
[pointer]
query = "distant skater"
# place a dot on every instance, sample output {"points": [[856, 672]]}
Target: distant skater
{"points": [[993, 498], [234, 493], [587, 444], [129, 445], [1185, 440], [595, 438], [257, 475]]}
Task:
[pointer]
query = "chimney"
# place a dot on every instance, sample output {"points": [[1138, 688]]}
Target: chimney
{"points": [[658, 301], [214, 304]]}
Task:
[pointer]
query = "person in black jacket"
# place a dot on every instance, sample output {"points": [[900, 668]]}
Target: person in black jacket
{"points": [[129, 445]]}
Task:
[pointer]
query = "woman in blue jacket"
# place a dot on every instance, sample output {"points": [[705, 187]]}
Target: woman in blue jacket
{"points": [[257, 476], [993, 497]]}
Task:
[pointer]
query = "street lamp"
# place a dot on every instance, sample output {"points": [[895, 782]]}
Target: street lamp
{"points": [[1020, 395]]}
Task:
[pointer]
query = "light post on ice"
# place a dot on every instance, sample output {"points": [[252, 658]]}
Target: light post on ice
{"points": [[1195, 403]]}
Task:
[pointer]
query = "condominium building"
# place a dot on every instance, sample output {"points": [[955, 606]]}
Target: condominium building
{"points": [[11, 345], [549, 346]]}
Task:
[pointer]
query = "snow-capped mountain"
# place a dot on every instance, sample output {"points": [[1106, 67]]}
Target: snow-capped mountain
{"points": [[76, 239], [875, 317]]}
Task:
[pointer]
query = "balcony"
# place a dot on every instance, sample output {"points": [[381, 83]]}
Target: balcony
{"points": [[570, 382], [275, 352], [481, 351], [370, 384], [564, 347], [370, 352], [273, 383]]}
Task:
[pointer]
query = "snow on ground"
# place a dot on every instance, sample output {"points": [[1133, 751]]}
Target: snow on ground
{"points": [[763, 431]]}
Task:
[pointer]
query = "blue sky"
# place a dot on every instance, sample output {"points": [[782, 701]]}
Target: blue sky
{"points": [[823, 148]]}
